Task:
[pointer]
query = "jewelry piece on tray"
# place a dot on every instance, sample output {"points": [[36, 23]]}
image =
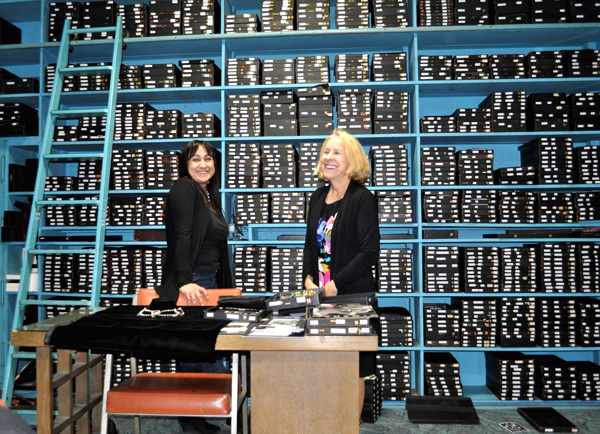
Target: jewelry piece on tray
{"points": [[154, 313]]}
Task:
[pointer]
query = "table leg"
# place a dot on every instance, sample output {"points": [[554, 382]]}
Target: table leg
{"points": [[45, 404]]}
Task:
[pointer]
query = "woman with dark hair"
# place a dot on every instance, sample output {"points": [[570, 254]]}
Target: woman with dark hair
{"points": [[197, 256]]}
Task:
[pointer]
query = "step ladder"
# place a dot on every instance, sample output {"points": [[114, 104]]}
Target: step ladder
{"points": [[48, 153]]}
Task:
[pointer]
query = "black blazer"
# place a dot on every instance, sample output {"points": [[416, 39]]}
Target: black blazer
{"points": [[354, 240]]}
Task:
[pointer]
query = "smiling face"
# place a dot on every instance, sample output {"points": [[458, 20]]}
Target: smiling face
{"points": [[201, 166], [334, 160]]}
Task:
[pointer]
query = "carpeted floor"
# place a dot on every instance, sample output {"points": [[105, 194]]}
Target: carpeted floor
{"points": [[394, 420]]}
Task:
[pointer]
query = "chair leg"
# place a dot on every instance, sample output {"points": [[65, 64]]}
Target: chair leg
{"points": [[137, 423], [245, 394], [108, 362]]}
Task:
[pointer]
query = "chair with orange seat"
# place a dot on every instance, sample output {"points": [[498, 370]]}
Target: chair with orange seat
{"points": [[176, 393]]}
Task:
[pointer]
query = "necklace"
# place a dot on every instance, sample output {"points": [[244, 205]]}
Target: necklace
{"points": [[159, 313], [208, 197]]}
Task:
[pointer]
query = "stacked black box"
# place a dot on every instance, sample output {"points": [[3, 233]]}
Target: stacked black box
{"points": [[438, 124], [481, 269], [588, 267], [395, 206], [508, 111], [153, 261], [163, 124], [546, 64], [312, 15], [17, 118], [92, 128], [17, 84], [243, 165], [473, 120], [516, 322], [587, 206], [128, 169], [89, 173], [243, 116], [396, 327], [87, 215], [69, 82], [352, 14], [389, 13], [510, 375], [242, 23], [194, 125], [250, 268], [66, 133], [351, 68], [395, 271], [442, 325], [475, 167], [478, 322], [441, 269], [57, 15], [435, 67], [389, 67], [588, 321], [200, 17], [471, 67], [442, 206], [557, 267], [516, 206], [279, 71], [60, 215], [287, 207], [93, 82], [277, 15], [161, 76], [98, 14], [243, 71], [201, 72], [436, 13], [279, 165], [84, 273], [556, 324], [315, 111], [135, 21], [393, 369], [555, 379], [479, 206], [442, 375], [312, 69], [510, 11], [588, 380], [59, 271], [520, 175], [584, 111], [552, 158], [126, 210], [286, 269], [373, 404], [162, 169], [471, 12], [507, 66], [555, 207], [130, 120], [124, 271], [165, 18], [9, 33], [59, 183], [354, 110], [251, 208], [390, 112], [585, 12], [279, 113], [583, 63], [438, 165], [549, 11], [154, 212], [308, 159], [130, 77], [389, 164]]}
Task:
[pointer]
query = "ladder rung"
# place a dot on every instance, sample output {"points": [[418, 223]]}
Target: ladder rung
{"points": [[75, 113], [92, 30], [24, 355], [86, 70], [61, 251], [67, 202], [75, 156], [55, 302]]}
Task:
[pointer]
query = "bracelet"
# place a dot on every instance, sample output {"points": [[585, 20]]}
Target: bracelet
{"points": [[160, 313]]}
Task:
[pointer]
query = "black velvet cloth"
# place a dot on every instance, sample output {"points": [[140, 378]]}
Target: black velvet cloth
{"points": [[119, 329]]}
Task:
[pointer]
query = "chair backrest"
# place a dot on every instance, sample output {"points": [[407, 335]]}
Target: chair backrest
{"points": [[146, 295]]}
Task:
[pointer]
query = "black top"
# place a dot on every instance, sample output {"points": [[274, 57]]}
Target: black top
{"points": [[208, 256], [354, 243], [188, 220]]}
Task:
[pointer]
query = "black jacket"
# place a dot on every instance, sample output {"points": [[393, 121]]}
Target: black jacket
{"points": [[354, 240], [187, 221]]}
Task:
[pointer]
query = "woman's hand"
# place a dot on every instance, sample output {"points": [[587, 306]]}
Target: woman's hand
{"points": [[194, 294], [309, 284], [329, 290]]}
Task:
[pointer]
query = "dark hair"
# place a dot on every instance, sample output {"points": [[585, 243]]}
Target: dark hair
{"points": [[214, 185]]}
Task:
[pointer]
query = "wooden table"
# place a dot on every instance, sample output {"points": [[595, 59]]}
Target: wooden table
{"points": [[304, 384], [298, 384]]}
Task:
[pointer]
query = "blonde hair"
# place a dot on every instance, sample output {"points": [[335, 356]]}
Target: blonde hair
{"points": [[359, 168]]}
